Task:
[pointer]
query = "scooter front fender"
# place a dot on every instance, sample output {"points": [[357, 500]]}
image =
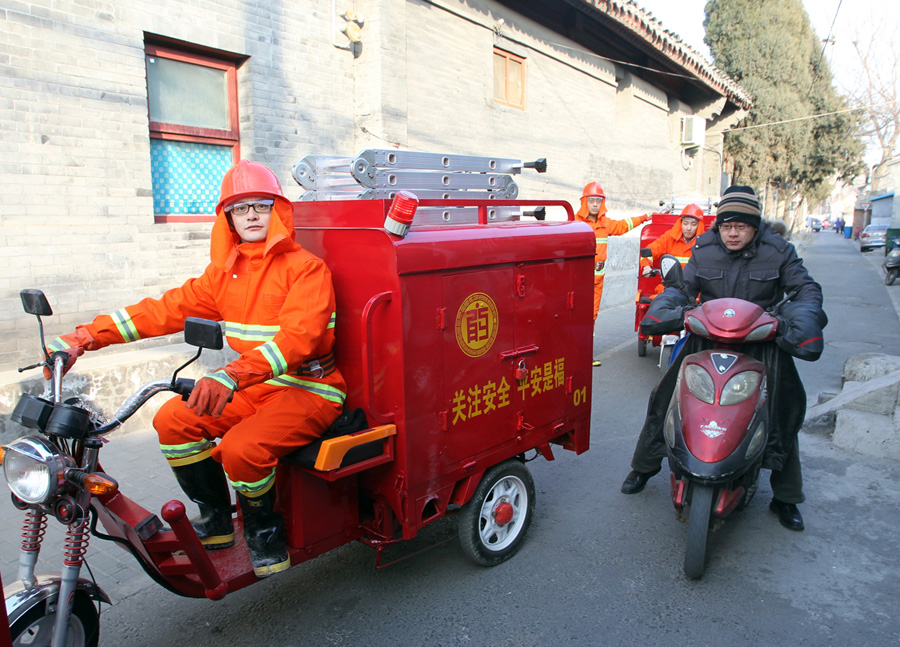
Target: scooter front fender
{"points": [[21, 599]]}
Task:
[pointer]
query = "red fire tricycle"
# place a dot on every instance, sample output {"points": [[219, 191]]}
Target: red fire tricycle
{"points": [[467, 346], [651, 285]]}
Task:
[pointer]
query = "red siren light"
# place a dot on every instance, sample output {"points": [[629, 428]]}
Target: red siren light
{"points": [[401, 213]]}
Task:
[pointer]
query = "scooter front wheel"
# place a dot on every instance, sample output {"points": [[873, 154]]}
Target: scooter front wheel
{"points": [[890, 277], [702, 500]]}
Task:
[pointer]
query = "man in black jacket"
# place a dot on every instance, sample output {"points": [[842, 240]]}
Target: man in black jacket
{"points": [[741, 257]]}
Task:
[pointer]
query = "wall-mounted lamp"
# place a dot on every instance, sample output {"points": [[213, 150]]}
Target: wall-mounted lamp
{"points": [[352, 29]]}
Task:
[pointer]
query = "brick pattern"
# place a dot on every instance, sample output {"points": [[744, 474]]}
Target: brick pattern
{"points": [[75, 180]]}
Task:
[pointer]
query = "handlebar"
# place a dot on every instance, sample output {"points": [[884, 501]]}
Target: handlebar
{"points": [[181, 386]]}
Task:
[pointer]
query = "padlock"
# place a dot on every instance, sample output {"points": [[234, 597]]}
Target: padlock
{"points": [[521, 370]]}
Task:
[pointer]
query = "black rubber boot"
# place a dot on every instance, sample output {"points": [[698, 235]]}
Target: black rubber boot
{"points": [[264, 533], [205, 484]]}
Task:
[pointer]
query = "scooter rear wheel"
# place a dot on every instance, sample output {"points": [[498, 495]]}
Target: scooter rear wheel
{"points": [[890, 277], [702, 500]]}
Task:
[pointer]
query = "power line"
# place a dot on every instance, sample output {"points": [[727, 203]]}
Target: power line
{"points": [[787, 121]]}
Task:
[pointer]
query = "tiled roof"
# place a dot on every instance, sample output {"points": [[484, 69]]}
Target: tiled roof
{"points": [[644, 26]]}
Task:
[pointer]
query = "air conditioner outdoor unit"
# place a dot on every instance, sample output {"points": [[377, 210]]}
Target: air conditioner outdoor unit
{"points": [[693, 132]]}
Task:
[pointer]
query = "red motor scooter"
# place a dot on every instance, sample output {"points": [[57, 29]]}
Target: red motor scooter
{"points": [[716, 426]]}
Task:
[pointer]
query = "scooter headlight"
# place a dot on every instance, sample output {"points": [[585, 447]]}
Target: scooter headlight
{"points": [[669, 426], [758, 436], [34, 469], [739, 388], [699, 383]]}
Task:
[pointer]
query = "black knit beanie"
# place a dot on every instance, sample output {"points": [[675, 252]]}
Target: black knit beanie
{"points": [[738, 204]]}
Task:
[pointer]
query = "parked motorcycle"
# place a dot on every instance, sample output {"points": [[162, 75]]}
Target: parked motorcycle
{"points": [[57, 473], [716, 426], [892, 264]]}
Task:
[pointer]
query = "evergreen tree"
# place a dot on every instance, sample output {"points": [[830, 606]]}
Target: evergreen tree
{"points": [[770, 49]]}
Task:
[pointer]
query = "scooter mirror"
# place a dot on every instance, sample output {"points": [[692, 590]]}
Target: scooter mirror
{"points": [[35, 303], [670, 268], [646, 252], [203, 333]]}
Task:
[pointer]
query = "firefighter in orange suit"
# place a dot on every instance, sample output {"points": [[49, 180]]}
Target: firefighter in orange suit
{"points": [[593, 211], [283, 391], [677, 241]]}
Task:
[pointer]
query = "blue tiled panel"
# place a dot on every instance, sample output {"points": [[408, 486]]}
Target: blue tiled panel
{"points": [[187, 176]]}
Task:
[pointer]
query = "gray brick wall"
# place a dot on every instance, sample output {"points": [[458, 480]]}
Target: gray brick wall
{"points": [[76, 214]]}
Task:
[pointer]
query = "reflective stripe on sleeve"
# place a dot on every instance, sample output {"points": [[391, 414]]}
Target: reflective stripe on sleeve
{"points": [[223, 378], [58, 344], [126, 328], [250, 332], [275, 357], [331, 321]]}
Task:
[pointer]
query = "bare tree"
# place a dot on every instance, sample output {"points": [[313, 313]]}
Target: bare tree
{"points": [[876, 94]]}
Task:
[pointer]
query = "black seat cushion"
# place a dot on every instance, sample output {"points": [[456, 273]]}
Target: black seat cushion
{"points": [[347, 423]]}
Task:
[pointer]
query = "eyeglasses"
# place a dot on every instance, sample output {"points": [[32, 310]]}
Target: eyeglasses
{"points": [[243, 209], [739, 227]]}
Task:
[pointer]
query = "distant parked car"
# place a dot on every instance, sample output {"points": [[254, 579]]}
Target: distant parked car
{"points": [[815, 224], [872, 236]]}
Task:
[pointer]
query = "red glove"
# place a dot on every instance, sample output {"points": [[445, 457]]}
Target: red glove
{"points": [[73, 345], [211, 394]]}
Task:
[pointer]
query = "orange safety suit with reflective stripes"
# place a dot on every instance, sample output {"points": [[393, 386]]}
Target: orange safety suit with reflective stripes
{"points": [[672, 242], [278, 306], [604, 227]]}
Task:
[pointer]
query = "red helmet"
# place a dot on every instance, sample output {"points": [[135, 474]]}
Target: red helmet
{"points": [[692, 211], [593, 190], [245, 179]]}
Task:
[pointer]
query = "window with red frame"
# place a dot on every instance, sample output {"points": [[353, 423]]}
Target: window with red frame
{"points": [[194, 135]]}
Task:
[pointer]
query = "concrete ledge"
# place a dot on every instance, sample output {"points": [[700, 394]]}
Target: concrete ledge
{"points": [[867, 433], [865, 416]]}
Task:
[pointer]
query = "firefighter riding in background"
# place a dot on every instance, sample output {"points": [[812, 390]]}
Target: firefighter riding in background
{"points": [[677, 241], [593, 211]]}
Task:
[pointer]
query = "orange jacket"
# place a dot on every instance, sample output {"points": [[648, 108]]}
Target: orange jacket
{"points": [[672, 242], [276, 299], [604, 227]]}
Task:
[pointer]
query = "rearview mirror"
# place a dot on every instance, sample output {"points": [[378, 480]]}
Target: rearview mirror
{"points": [[672, 274], [35, 303], [203, 333], [646, 252]]}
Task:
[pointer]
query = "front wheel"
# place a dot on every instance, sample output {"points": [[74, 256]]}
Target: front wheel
{"points": [[665, 357], [642, 347], [698, 531], [35, 627], [492, 525], [890, 277]]}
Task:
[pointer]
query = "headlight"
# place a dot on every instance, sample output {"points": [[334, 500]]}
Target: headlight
{"points": [[758, 436], [700, 383], [34, 468], [697, 326], [669, 426], [759, 333], [739, 388]]}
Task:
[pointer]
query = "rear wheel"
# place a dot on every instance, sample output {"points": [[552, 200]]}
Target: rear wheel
{"points": [[492, 525], [642, 347], [35, 628], [698, 531], [890, 277]]}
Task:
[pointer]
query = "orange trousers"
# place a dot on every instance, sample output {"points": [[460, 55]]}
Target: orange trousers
{"points": [[260, 425], [598, 292]]}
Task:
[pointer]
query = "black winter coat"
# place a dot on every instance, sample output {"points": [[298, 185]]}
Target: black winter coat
{"points": [[763, 273]]}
